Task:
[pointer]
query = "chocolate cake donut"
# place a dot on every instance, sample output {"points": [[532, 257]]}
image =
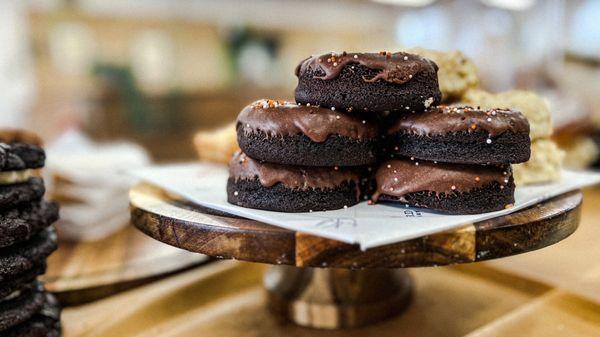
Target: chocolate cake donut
{"points": [[462, 135], [449, 188], [287, 188], [292, 134], [376, 82]]}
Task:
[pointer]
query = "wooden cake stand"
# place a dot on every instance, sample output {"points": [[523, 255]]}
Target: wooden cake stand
{"points": [[328, 284]]}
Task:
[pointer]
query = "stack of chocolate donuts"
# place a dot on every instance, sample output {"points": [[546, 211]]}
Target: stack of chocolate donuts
{"points": [[369, 126], [26, 239]]}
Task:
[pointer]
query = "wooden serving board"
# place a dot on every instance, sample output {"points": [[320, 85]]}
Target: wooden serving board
{"points": [[173, 221], [80, 272]]}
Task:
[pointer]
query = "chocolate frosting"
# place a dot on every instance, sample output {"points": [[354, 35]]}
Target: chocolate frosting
{"points": [[278, 118], [441, 120], [295, 177], [397, 68], [400, 177]]}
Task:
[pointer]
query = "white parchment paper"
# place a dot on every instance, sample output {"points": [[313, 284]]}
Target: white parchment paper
{"points": [[367, 225]]}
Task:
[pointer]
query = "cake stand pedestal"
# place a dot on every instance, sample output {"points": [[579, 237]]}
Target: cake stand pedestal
{"points": [[322, 283]]}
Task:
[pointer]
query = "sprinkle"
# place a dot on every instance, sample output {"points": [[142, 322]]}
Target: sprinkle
{"points": [[453, 187], [489, 119], [489, 141], [409, 76], [369, 169], [336, 168], [506, 181], [389, 166], [332, 108], [345, 207], [364, 121], [370, 202], [505, 173], [473, 126], [355, 56], [247, 125], [493, 113], [416, 163], [396, 179], [508, 206], [396, 148], [477, 179], [310, 211], [307, 104], [501, 187], [235, 193], [405, 58], [337, 117], [412, 158], [335, 64], [407, 108], [391, 188]]}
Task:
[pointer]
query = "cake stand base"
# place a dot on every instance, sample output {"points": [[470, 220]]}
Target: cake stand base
{"points": [[336, 298]]}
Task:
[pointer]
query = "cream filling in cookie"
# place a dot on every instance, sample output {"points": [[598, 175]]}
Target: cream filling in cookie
{"points": [[15, 177], [11, 296]]}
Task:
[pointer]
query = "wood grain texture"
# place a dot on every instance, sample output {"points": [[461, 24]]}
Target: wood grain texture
{"points": [[172, 221], [80, 272]]}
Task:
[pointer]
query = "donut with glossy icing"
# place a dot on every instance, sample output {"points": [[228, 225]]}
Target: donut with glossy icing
{"points": [[368, 82], [292, 134]]}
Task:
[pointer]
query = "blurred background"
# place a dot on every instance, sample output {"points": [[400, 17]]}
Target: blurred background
{"points": [[156, 71], [115, 84]]}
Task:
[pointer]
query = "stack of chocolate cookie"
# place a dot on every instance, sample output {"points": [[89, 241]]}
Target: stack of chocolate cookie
{"points": [[454, 159], [26, 239], [354, 110], [299, 157]]}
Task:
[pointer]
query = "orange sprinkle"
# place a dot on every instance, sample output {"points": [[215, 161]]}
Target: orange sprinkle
{"points": [[473, 126]]}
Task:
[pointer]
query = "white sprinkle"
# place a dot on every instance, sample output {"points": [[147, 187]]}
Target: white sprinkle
{"points": [[489, 141], [493, 113], [335, 64], [355, 56], [391, 188], [364, 121], [332, 108], [412, 158], [428, 102], [489, 119], [506, 181], [453, 187], [405, 58], [416, 163], [235, 193], [396, 179], [407, 108], [345, 207], [389, 166], [307, 104], [247, 125], [337, 117], [409, 76], [310, 211]]}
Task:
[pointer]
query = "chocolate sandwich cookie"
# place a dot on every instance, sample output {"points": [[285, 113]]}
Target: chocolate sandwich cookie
{"points": [[45, 323], [18, 259], [20, 191], [20, 150], [19, 281], [287, 188], [21, 305], [293, 134], [376, 82], [19, 224], [449, 188], [462, 135]]}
